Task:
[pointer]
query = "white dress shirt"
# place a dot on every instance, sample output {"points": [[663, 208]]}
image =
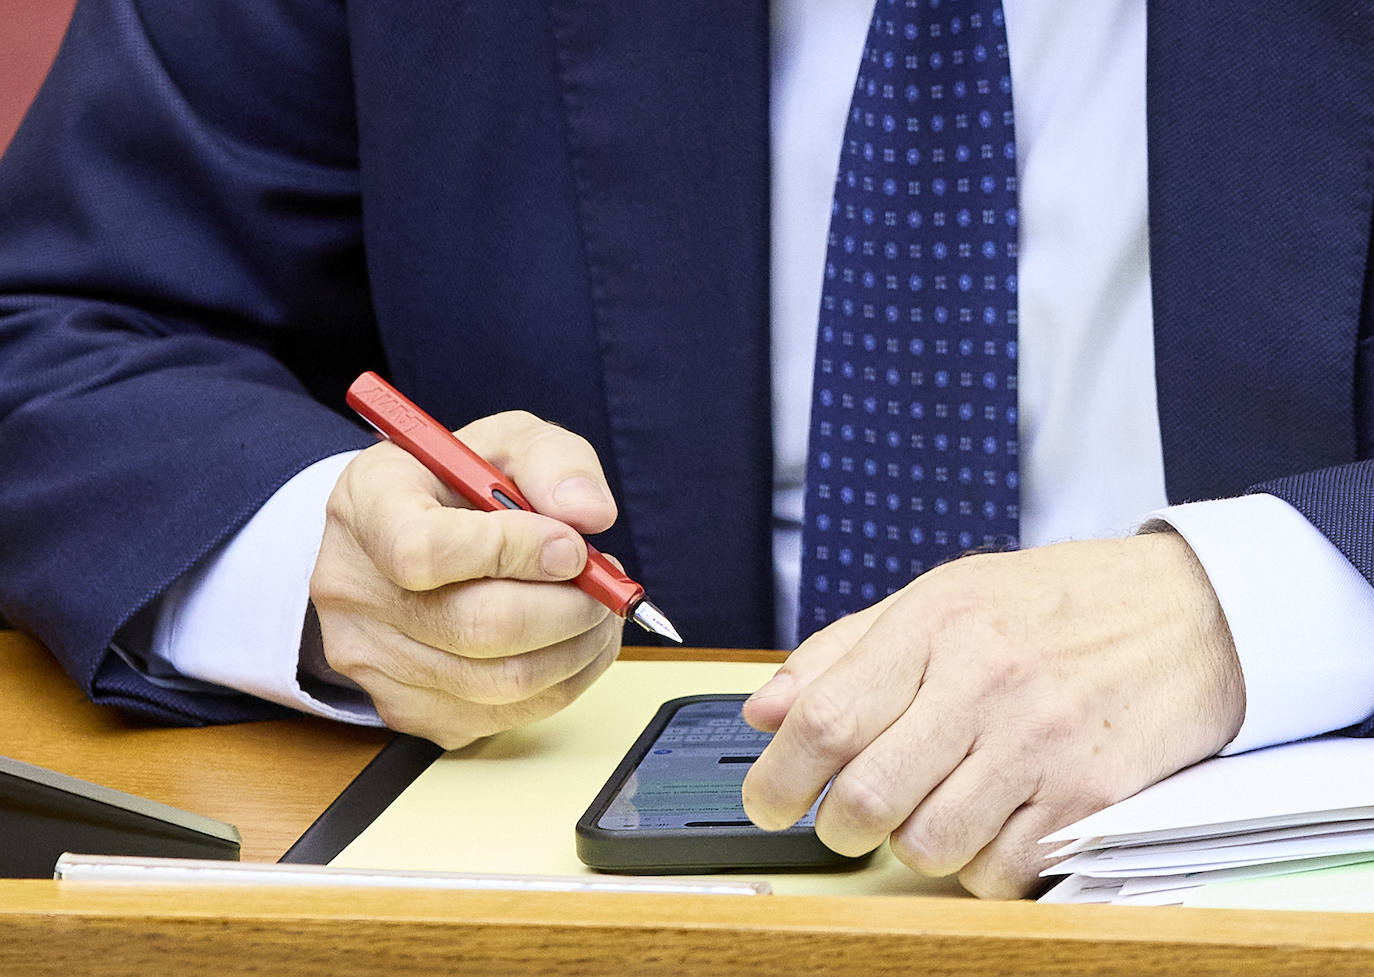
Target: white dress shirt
{"points": [[1091, 456]]}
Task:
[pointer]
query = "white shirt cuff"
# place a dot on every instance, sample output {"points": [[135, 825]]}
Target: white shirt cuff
{"points": [[236, 620], [1300, 613]]}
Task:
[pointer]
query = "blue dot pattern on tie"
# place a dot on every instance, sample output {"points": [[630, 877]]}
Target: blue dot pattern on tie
{"points": [[913, 451]]}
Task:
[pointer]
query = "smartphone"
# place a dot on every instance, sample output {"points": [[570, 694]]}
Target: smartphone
{"points": [[673, 804]]}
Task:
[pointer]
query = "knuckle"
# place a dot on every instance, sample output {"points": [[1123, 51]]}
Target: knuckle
{"points": [[491, 547], [519, 419], [327, 587], [864, 804], [409, 558], [451, 737], [508, 680], [348, 658], [548, 679], [410, 670], [508, 557], [602, 652], [1054, 727], [553, 699], [576, 442], [828, 726], [394, 713], [342, 501], [338, 508], [1093, 794], [1006, 670], [926, 842], [365, 662], [542, 436], [540, 432], [481, 623], [960, 612], [407, 714], [1056, 721], [1008, 867], [417, 716], [505, 430], [955, 591]]}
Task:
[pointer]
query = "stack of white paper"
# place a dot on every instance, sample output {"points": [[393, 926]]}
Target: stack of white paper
{"points": [[1292, 808]]}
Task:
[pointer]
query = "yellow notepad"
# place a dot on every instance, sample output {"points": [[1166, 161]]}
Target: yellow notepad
{"points": [[508, 804]]}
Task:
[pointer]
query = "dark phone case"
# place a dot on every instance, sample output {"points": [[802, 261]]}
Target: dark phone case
{"points": [[689, 850]]}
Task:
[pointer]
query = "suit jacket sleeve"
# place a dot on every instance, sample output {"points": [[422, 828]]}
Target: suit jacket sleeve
{"points": [[181, 285]]}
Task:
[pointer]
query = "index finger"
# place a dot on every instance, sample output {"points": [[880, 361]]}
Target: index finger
{"points": [[392, 507], [835, 716]]}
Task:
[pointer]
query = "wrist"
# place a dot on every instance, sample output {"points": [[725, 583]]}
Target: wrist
{"points": [[1213, 661]]}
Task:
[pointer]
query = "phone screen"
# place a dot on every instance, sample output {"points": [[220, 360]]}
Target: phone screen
{"points": [[673, 803], [691, 776]]}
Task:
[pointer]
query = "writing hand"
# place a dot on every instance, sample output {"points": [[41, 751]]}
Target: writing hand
{"points": [[995, 699], [457, 622]]}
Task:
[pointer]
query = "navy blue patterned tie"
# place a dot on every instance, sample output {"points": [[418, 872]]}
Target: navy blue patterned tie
{"points": [[912, 454]]}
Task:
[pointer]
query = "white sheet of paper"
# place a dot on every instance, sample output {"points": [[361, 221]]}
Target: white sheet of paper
{"points": [[1116, 861], [1214, 831], [1082, 889], [1168, 890], [1238, 839], [1201, 843], [1287, 827], [1295, 781]]}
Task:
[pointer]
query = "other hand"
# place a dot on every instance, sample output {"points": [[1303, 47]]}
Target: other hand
{"points": [[459, 623], [995, 699]]}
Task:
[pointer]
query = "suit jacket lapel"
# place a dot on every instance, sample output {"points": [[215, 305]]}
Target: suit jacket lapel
{"points": [[667, 121], [1261, 120]]}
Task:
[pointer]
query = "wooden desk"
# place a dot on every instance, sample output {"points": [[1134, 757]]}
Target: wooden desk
{"points": [[272, 779]]}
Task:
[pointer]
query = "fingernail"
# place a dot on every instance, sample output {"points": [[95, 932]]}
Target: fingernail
{"points": [[579, 490], [777, 685], [560, 557]]}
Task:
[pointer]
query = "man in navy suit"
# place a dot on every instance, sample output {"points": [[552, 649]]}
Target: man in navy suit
{"points": [[206, 233]]}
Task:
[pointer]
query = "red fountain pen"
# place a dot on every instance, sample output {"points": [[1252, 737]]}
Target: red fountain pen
{"points": [[471, 476]]}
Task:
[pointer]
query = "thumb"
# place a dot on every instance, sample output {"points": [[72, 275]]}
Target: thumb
{"points": [[558, 471]]}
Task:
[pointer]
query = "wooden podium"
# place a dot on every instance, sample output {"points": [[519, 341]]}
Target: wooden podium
{"points": [[273, 779]]}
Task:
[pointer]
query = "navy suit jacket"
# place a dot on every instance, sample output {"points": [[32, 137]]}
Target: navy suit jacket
{"points": [[213, 220]]}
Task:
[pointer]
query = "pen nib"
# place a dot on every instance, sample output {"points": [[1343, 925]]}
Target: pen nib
{"points": [[651, 619]]}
